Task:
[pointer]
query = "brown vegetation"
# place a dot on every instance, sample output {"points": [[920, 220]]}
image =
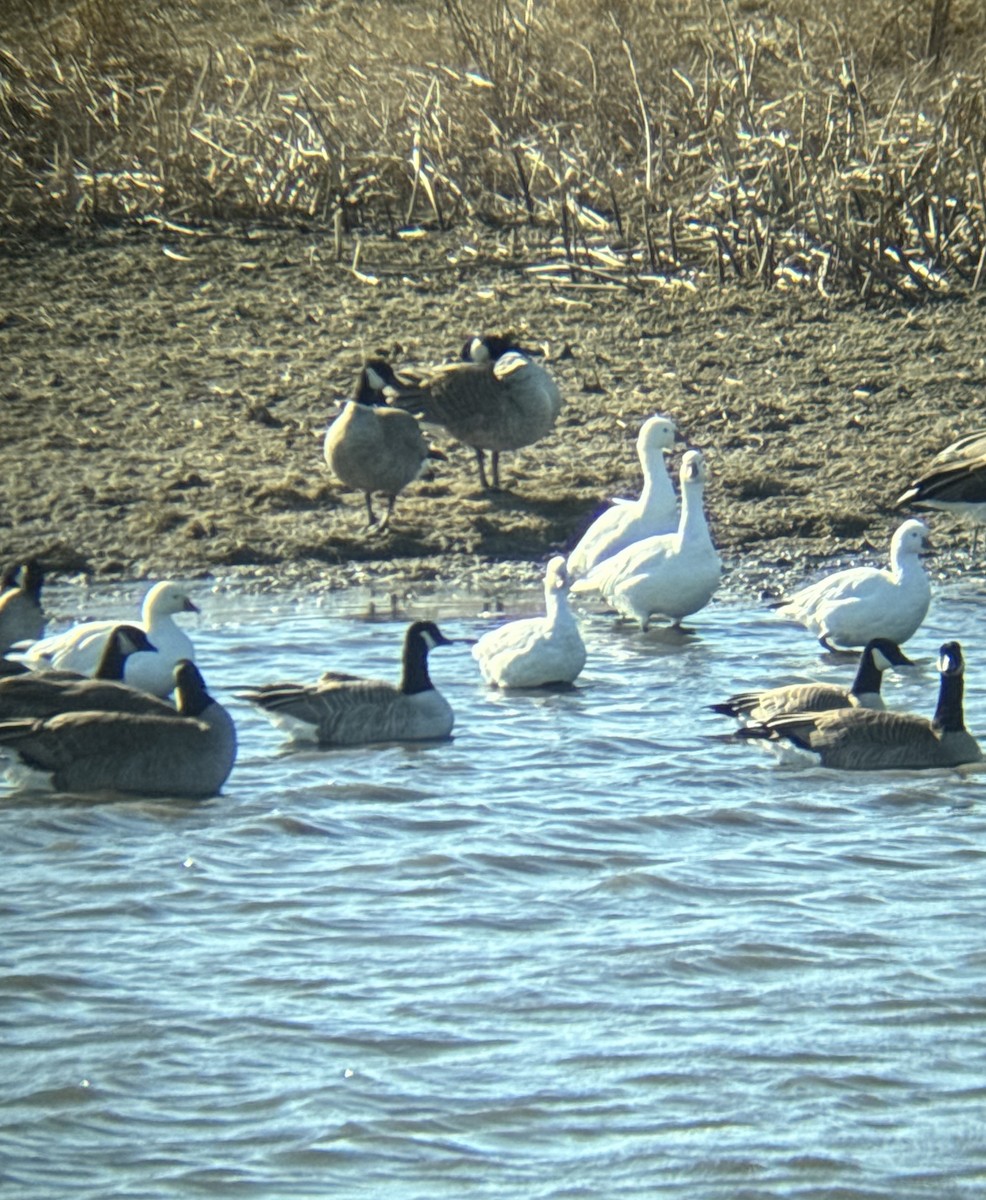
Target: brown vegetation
{"points": [[830, 146]]}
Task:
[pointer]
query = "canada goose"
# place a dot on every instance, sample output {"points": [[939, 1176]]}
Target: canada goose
{"points": [[373, 447], [878, 655], [188, 754], [865, 739], [346, 710], [537, 651], [79, 648], [954, 482], [673, 575], [496, 399], [22, 618], [46, 693], [850, 607], [654, 513]]}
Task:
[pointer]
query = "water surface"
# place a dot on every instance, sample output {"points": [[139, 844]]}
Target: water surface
{"points": [[584, 949]]}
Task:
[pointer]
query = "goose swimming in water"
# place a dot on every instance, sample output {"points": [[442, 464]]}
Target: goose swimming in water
{"points": [[345, 710], [46, 693], [188, 753], [373, 447], [537, 651], [865, 739], [79, 648], [850, 607], [673, 575], [655, 512], [878, 655], [497, 399]]}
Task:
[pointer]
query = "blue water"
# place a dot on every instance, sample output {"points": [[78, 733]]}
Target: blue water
{"points": [[585, 949]]}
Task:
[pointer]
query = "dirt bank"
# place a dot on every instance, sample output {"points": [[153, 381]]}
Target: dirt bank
{"points": [[165, 396]]}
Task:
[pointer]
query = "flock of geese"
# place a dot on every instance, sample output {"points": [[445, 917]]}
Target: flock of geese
{"points": [[88, 708]]}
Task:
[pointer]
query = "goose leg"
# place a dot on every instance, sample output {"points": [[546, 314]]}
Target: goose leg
{"points": [[385, 523], [370, 515], [495, 457], [483, 481]]}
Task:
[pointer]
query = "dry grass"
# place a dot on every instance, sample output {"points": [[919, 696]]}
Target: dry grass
{"points": [[637, 144]]}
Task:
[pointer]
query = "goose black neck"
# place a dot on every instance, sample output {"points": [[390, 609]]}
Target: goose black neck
{"points": [[414, 674], [192, 699], [949, 716], [113, 659], [868, 676], [32, 579], [368, 396]]}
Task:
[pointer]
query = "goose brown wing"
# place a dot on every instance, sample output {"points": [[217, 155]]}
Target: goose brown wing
{"points": [[45, 694]]}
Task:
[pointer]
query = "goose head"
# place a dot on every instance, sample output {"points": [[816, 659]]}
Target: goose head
{"points": [[375, 382], [421, 637], [191, 696], [131, 639], [557, 580], [911, 538], [27, 577], [31, 578], [428, 634], [950, 662], [164, 599], [487, 348], [949, 717], [123, 641], [885, 654], [657, 436], [693, 472]]}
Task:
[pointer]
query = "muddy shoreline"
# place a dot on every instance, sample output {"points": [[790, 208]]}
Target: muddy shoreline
{"points": [[166, 396]]}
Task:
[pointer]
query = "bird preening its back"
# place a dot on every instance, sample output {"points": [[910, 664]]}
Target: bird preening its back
{"points": [[373, 447], [497, 398]]}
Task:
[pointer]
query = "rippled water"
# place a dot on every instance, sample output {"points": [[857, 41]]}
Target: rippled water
{"points": [[585, 949]]}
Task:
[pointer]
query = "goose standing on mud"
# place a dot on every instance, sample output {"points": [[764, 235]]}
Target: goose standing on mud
{"points": [[79, 648], [22, 618], [954, 482], [346, 710], [188, 753], [673, 575], [864, 739], [655, 512], [373, 447], [497, 399], [878, 655], [537, 651], [850, 607]]}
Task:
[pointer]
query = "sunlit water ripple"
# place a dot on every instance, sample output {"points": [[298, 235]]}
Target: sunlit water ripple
{"points": [[584, 949]]}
